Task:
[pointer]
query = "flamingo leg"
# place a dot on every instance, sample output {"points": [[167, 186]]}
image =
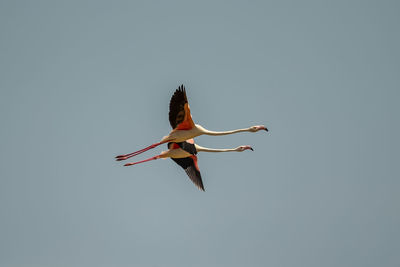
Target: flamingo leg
{"points": [[133, 163], [127, 156]]}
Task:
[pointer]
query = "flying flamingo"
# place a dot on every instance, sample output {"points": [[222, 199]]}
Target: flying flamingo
{"points": [[183, 126], [184, 154]]}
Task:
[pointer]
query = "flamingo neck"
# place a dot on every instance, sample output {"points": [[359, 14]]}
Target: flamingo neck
{"points": [[206, 149], [216, 133]]}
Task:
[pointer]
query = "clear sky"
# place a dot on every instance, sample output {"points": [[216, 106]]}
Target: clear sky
{"points": [[83, 81]]}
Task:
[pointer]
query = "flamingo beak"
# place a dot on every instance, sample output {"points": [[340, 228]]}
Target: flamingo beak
{"points": [[249, 147], [261, 127]]}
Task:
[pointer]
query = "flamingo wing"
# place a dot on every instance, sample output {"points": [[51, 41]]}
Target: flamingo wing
{"points": [[189, 164], [179, 110]]}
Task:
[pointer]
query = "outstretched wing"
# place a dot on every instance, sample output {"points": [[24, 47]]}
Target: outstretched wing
{"points": [[189, 164], [179, 111]]}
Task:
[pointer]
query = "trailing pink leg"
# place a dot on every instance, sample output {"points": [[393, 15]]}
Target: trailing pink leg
{"points": [[133, 163], [127, 156]]}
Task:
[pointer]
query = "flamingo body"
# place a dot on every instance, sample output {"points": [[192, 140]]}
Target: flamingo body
{"points": [[184, 154]]}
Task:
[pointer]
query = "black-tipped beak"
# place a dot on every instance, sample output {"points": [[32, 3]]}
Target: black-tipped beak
{"points": [[251, 149], [266, 129]]}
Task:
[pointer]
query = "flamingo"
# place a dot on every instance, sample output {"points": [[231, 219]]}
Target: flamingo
{"points": [[184, 154], [183, 126]]}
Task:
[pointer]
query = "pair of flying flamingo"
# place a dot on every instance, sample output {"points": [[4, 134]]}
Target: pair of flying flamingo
{"points": [[181, 146]]}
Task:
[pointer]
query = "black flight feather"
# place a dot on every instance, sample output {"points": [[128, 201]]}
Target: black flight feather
{"points": [[177, 107]]}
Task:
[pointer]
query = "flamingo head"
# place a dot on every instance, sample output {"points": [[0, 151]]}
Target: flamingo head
{"points": [[258, 128], [243, 148]]}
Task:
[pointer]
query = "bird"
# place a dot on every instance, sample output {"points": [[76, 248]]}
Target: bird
{"points": [[184, 154], [183, 127]]}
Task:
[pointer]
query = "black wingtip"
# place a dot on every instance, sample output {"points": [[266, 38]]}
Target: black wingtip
{"points": [[181, 88], [200, 186]]}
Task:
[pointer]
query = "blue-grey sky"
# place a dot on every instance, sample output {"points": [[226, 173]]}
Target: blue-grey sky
{"points": [[83, 81]]}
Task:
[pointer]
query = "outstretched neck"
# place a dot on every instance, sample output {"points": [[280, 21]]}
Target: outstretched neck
{"points": [[205, 149], [208, 132]]}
